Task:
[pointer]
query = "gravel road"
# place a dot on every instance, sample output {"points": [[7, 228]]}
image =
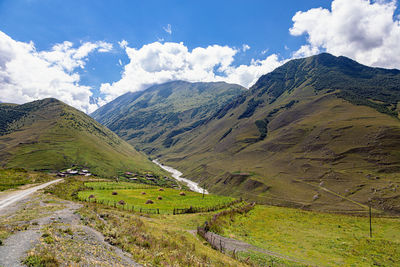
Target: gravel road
{"points": [[21, 194], [52, 213]]}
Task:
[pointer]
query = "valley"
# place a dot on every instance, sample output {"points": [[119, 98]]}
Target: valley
{"points": [[311, 134], [281, 174]]}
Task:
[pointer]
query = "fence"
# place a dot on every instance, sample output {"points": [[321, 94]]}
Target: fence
{"points": [[126, 207], [205, 209], [115, 187], [176, 211], [215, 240]]}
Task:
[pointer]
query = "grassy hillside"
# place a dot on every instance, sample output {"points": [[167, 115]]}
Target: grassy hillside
{"points": [[317, 133], [48, 135], [153, 119], [321, 239], [13, 178]]}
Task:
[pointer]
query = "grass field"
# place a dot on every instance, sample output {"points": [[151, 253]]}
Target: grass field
{"points": [[119, 185], [319, 238], [12, 178], [171, 198]]}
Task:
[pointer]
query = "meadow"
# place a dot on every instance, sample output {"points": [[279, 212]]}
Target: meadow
{"points": [[119, 185], [320, 238], [13, 178], [136, 195]]}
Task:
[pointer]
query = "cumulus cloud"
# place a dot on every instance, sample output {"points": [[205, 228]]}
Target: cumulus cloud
{"points": [[360, 29], [161, 62], [168, 29], [27, 74]]}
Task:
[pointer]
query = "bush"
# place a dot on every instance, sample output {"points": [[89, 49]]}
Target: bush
{"points": [[41, 261]]}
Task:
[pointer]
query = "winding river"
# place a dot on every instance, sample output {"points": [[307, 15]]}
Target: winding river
{"points": [[177, 176]]}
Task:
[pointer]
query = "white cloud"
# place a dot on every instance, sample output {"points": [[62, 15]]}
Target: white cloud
{"points": [[264, 51], [359, 29], [27, 75], [65, 56], [157, 63], [245, 47], [123, 44], [168, 29]]}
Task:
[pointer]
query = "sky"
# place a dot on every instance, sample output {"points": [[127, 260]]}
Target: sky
{"points": [[87, 53]]}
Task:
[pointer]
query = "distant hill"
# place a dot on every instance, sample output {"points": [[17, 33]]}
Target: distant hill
{"points": [[152, 119], [318, 133], [50, 135]]}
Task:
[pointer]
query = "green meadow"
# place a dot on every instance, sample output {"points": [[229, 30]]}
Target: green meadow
{"points": [[12, 178], [319, 238], [165, 199], [118, 185]]}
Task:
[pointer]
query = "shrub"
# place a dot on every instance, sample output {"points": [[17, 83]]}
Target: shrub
{"points": [[41, 260]]}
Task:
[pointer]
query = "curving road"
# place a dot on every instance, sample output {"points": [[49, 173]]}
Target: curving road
{"points": [[21, 194]]}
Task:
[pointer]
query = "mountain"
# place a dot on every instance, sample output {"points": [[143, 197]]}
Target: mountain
{"points": [[319, 133], [151, 119], [50, 135]]}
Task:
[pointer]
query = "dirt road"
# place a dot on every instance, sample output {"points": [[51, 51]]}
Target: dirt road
{"points": [[21, 194]]}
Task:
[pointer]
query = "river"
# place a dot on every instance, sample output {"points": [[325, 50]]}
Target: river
{"points": [[178, 176]]}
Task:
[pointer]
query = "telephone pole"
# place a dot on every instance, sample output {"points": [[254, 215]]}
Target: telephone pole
{"points": [[370, 221]]}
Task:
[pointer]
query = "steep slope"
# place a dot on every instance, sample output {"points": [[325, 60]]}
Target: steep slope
{"points": [[319, 133], [151, 119], [50, 135]]}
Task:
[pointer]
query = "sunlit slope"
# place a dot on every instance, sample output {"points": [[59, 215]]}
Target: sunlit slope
{"points": [[320, 133], [50, 135]]}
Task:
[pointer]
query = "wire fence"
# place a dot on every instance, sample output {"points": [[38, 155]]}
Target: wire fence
{"points": [[124, 206], [213, 239], [205, 209]]}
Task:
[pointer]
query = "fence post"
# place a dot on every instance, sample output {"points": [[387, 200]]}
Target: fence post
{"points": [[158, 211]]}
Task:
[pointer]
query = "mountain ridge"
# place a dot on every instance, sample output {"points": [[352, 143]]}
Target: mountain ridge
{"points": [[164, 111], [311, 121], [50, 135]]}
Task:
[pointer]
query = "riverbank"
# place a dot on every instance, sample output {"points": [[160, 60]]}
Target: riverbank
{"points": [[177, 175]]}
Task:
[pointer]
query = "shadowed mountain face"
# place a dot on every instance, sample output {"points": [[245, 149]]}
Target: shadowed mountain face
{"points": [[319, 133], [50, 135], [152, 119]]}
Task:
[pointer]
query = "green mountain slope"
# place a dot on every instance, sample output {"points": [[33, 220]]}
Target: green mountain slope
{"points": [[318, 133], [50, 135], [153, 119]]}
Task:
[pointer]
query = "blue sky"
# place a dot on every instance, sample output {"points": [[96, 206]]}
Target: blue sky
{"points": [[260, 24]]}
